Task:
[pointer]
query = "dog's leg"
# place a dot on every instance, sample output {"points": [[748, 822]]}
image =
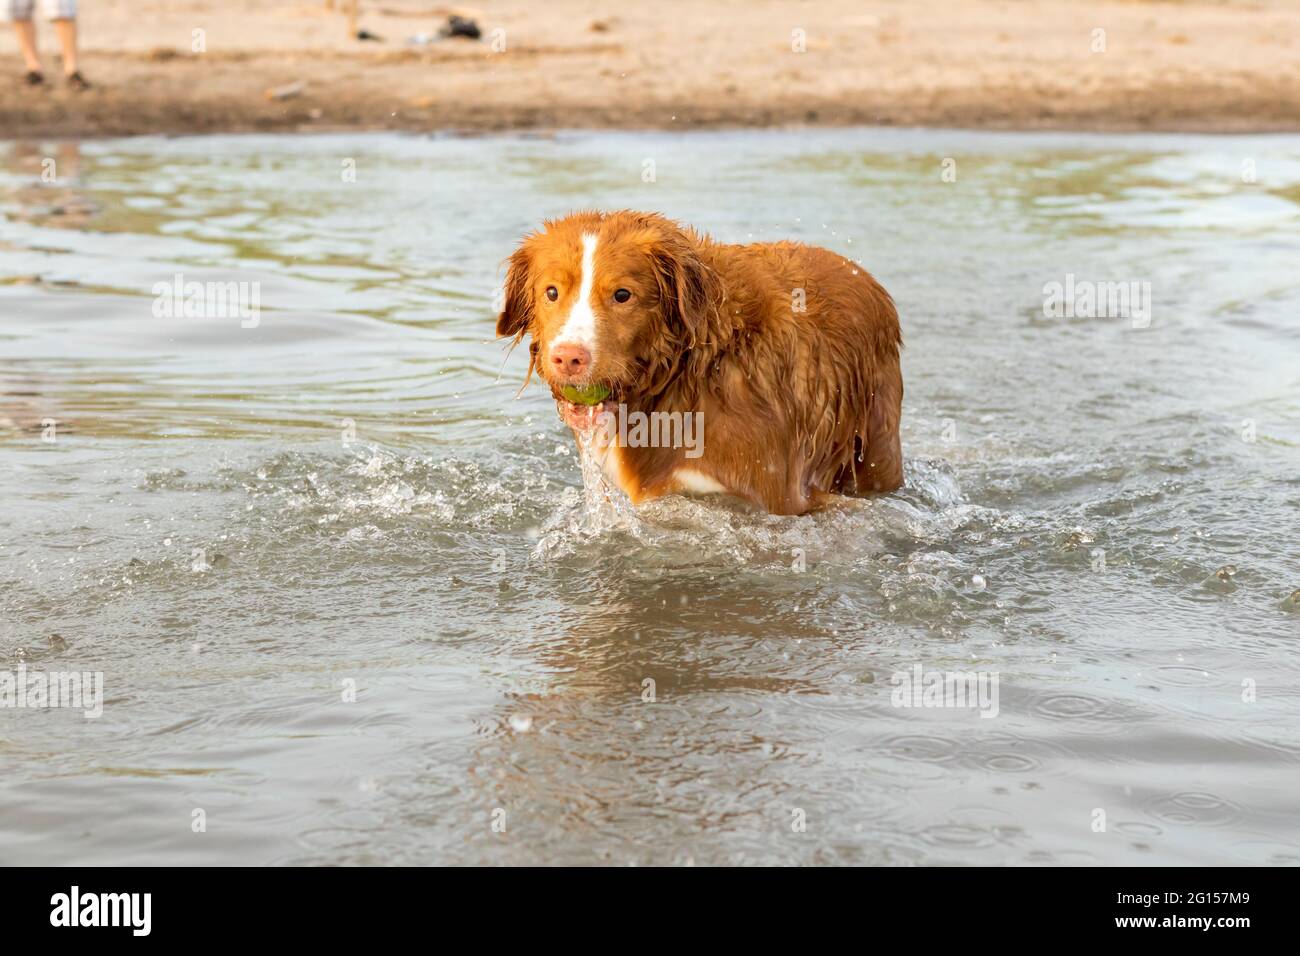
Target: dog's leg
{"points": [[881, 468]]}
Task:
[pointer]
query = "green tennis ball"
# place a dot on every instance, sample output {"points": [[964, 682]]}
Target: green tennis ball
{"points": [[587, 395]]}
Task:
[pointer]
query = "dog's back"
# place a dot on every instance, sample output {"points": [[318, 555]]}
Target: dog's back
{"points": [[823, 348]]}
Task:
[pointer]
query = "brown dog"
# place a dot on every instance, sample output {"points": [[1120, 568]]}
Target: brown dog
{"points": [[786, 354]]}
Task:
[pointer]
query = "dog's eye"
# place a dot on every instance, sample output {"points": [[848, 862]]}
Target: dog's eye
{"points": [[552, 293], [622, 295]]}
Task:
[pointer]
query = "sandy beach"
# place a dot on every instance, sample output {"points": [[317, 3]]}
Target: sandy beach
{"points": [[1004, 64]]}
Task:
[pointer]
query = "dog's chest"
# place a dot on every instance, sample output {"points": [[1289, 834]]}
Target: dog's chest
{"points": [[623, 468]]}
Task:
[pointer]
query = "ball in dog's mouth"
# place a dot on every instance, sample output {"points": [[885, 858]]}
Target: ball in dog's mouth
{"points": [[581, 406], [585, 394]]}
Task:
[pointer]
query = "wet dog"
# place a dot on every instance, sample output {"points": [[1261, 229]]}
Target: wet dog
{"points": [[787, 355]]}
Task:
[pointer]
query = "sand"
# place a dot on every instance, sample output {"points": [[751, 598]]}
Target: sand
{"points": [[1006, 64]]}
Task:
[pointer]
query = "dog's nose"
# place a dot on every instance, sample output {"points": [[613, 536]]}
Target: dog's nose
{"points": [[572, 360]]}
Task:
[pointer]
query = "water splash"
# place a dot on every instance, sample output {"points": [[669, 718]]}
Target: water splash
{"points": [[600, 508]]}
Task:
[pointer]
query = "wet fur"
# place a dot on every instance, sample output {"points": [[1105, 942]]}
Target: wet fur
{"points": [[797, 405]]}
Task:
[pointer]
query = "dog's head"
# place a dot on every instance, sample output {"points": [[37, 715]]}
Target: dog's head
{"points": [[614, 299]]}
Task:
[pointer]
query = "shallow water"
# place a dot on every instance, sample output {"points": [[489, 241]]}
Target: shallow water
{"points": [[1101, 515]]}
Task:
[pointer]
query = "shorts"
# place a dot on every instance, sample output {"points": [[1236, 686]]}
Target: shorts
{"points": [[19, 10]]}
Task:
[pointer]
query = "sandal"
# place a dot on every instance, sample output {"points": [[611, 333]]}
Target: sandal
{"points": [[34, 78], [77, 81]]}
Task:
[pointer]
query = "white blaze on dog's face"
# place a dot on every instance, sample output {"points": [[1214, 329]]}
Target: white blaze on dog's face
{"points": [[601, 295], [576, 338]]}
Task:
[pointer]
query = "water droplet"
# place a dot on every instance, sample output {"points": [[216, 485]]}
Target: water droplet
{"points": [[521, 723]]}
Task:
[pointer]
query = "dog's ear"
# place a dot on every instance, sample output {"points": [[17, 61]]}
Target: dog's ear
{"points": [[517, 304], [690, 291]]}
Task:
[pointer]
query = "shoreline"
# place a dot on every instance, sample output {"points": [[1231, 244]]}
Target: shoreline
{"points": [[1030, 65], [59, 120], [1115, 138]]}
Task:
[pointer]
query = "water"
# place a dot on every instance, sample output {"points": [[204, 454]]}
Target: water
{"points": [[239, 526]]}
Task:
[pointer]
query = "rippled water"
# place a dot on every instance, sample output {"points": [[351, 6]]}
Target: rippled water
{"points": [[1103, 517]]}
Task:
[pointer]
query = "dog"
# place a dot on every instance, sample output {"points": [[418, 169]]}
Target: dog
{"points": [[786, 354]]}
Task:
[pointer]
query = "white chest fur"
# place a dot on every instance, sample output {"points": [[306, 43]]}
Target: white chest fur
{"points": [[697, 482], [685, 480]]}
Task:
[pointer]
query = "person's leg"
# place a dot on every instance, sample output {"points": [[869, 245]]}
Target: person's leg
{"points": [[20, 11], [26, 30], [63, 14], [67, 31]]}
